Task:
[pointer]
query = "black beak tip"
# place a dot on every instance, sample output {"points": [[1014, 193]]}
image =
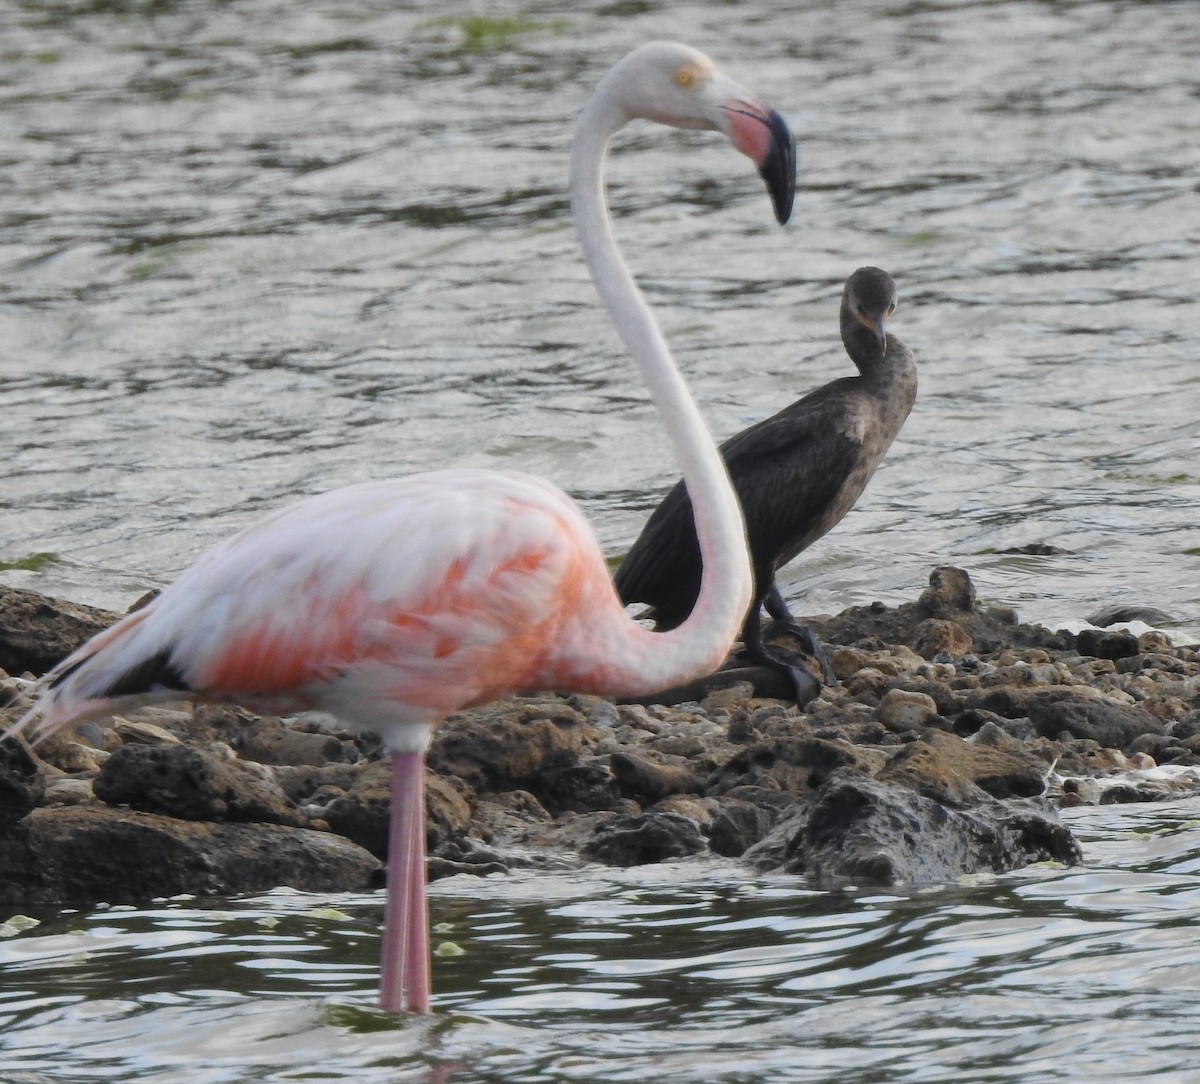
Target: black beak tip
{"points": [[779, 169]]}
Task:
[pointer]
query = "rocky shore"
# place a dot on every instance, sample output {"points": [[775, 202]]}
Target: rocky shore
{"points": [[954, 736]]}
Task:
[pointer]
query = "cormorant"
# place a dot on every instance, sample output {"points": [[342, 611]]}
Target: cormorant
{"points": [[796, 473]]}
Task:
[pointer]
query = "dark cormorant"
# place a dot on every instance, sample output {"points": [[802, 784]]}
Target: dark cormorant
{"points": [[797, 474]]}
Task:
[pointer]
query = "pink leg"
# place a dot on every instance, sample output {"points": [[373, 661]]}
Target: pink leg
{"points": [[404, 966]]}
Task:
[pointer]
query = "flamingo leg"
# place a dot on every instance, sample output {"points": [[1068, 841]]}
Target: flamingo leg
{"points": [[404, 969]]}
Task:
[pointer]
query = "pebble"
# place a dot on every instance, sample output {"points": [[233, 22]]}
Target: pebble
{"points": [[903, 710]]}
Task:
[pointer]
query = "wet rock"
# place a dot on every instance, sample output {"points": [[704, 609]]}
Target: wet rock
{"points": [[1120, 614], [509, 745], [269, 741], [641, 778], [90, 854], [1109, 724], [867, 831], [738, 825], [650, 837], [193, 783], [950, 592], [902, 710], [1106, 645], [36, 631], [22, 786]]}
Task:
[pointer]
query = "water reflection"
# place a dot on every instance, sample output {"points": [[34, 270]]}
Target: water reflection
{"points": [[611, 974]]}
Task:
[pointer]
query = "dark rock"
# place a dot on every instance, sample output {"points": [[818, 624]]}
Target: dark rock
{"points": [[950, 592], [22, 786], [509, 745], [737, 826], [579, 788], [869, 831], [363, 812], [648, 837], [193, 783], [643, 779], [793, 765], [1110, 724], [88, 854], [300, 782], [1186, 726], [1119, 614], [973, 720], [36, 632], [269, 741], [1106, 645]]}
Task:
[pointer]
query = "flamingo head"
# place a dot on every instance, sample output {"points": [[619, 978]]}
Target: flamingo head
{"points": [[676, 85]]}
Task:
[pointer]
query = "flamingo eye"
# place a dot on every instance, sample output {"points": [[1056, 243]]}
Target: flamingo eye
{"points": [[686, 76]]}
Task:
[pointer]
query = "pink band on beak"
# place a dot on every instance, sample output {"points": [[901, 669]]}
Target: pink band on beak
{"points": [[750, 133]]}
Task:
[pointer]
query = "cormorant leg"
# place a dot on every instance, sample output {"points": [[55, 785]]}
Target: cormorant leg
{"points": [[805, 685], [785, 622]]}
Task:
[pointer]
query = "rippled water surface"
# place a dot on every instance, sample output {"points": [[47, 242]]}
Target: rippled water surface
{"points": [[689, 973], [257, 249]]}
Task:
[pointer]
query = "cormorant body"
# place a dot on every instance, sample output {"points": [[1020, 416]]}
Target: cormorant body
{"points": [[796, 474]]}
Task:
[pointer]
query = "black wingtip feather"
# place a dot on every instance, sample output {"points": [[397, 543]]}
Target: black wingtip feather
{"points": [[156, 672]]}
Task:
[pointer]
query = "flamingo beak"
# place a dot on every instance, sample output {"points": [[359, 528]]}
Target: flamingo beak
{"points": [[778, 169]]}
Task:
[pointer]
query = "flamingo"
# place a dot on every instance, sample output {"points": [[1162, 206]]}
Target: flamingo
{"points": [[796, 473], [391, 604]]}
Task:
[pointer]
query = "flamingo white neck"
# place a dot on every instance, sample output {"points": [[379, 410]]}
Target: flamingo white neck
{"points": [[703, 640]]}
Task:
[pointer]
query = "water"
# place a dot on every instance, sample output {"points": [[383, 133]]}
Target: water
{"points": [[684, 972], [258, 249]]}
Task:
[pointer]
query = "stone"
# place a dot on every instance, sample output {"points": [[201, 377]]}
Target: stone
{"points": [[193, 783], [868, 832], [59, 856], [646, 780], [901, 710], [649, 837], [937, 635], [950, 592], [36, 632], [22, 786], [1110, 724], [269, 741], [508, 745]]}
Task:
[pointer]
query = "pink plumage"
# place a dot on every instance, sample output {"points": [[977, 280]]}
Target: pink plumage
{"points": [[391, 604]]}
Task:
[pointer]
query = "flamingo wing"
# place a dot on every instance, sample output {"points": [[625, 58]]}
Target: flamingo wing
{"points": [[385, 603]]}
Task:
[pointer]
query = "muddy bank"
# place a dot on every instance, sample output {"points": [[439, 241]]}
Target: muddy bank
{"points": [[954, 735]]}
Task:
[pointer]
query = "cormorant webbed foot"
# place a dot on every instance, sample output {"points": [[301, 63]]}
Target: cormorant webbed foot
{"points": [[808, 642], [805, 685], [784, 622]]}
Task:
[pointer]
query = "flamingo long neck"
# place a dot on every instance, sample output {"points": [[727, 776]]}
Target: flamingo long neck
{"points": [[700, 644]]}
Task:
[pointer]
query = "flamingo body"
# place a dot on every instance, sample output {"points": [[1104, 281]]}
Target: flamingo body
{"points": [[388, 604], [393, 603]]}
